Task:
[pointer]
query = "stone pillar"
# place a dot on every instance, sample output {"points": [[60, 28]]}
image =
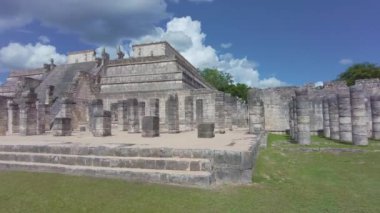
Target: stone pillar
{"points": [[295, 120], [150, 126], [141, 112], [303, 117], [28, 114], [95, 109], [133, 116], [62, 127], [41, 118], [102, 124], [359, 116], [334, 117], [3, 116], [13, 118], [219, 113], [256, 116], [122, 116], [189, 113], [206, 130], [154, 107], [326, 117], [375, 105], [66, 109], [291, 119], [344, 110], [199, 111], [49, 92], [172, 115]]}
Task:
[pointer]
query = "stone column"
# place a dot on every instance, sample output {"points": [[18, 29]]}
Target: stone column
{"points": [[199, 111], [103, 124], [295, 120], [154, 107], [13, 118], [41, 118], [122, 116], [3, 116], [133, 116], [150, 126], [375, 105], [172, 114], [28, 114], [344, 110], [62, 127], [326, 117], [291, 122], [95, 109], [219, 113], [359, 116], [189, 113], [303, 117], [66, 108], [256, 116], [141, 112], [206, 130], [334, 117]]}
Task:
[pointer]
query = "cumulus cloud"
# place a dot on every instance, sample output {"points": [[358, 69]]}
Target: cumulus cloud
{"points": [[346, 61], [44, 39], [187, 37], [226, 45], [19, 56], [99, 22]]}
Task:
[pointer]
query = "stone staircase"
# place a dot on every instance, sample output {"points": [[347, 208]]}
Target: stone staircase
{"points": [[129, 164]]}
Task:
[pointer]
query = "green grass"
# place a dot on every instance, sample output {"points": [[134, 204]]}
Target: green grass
{"points": [[286, 180]]}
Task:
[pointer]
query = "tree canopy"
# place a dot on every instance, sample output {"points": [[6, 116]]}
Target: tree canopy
{"points": [[360, 71], [223, 81]]}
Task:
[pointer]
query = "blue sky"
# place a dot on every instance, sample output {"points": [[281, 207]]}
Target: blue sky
{"points": [[260, 42]]}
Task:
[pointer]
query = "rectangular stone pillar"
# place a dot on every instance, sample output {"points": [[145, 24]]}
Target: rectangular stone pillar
{"points": [[172, 115], [133, 116], [150, 126], [326, 117], [220, 119], [375, 105], [41, 118], [334, 117], [141, 112], [103, 124], [359, 116], [28, 114], [256, 116], [344, 110], [62, 127], [13, 118], [95, 109], [3, 116], [206, 130], [189, 113], [199, 111], [154, 107], [122, 115], [303, 117]]}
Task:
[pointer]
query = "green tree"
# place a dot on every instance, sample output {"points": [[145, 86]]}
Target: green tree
{"points": [[360, 71], [223, 81]]}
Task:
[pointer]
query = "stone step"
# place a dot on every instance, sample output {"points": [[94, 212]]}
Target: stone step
{"points": [[188, 178], [181, 164]]}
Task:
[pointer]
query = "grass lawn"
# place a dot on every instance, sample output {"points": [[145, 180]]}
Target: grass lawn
{"points": [[286, 180]]}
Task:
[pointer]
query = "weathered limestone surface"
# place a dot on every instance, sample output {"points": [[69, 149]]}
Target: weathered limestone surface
{"points": [[3, 116], [150, 126], [375, 106], [199, 111], [295, 137], [103, 124], [141, 112], [326, 118], [41, 118], [122, 116], [154, 105], [28, 114], [303, 117], [133, 116], [219, 113], [206, 130], [334, 117], [13, 118], [62, 127], [172, 114], [189, 113], [359, 116], [256, 115], [344, 108]]}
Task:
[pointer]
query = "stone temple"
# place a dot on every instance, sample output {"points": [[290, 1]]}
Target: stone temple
{"points": [[153, 95]]}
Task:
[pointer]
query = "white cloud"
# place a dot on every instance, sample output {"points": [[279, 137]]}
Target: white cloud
{"points": [[99, 22], [44, 39], [187, 37], [226, 45], [318, 84], [346, 61], [19, 56]]}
